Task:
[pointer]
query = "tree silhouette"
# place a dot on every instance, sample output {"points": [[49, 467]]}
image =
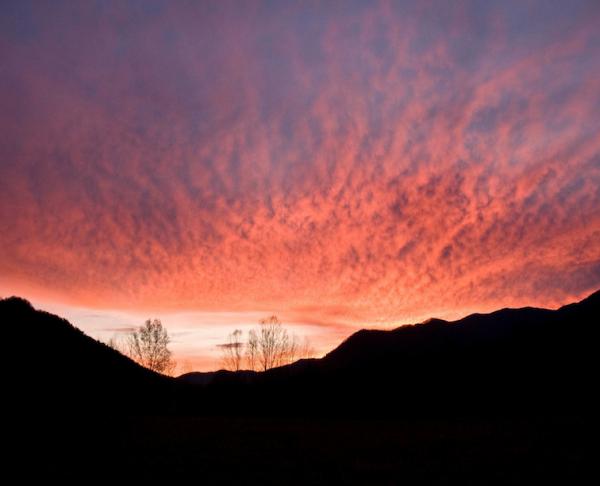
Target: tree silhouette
{"points": [[233, 351], [148, 345], [269, 345], [305, 349], [252, 350], [273, 343], [275, 346]]}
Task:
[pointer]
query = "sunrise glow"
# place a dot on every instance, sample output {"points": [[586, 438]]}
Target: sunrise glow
{"points": [[363, 164]]}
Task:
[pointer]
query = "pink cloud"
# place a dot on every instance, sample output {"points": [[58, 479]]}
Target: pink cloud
{"points": [[364, 167]]}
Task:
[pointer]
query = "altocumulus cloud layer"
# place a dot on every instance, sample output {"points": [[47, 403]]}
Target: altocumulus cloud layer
{"points": [[339, 163]]}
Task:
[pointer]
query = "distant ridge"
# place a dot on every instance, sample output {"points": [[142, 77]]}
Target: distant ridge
{"points": [[502, 324], [507, 360]]}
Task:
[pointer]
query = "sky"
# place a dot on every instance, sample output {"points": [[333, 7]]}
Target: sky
{"points": [[340, 164]]}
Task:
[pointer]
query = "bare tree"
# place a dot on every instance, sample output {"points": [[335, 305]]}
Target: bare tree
{"points": [[269, 345], [306, 349], [293, 348], [148, 345], [297, 349], [273, 343], [252, 350], [233, 351], [116, 343]]}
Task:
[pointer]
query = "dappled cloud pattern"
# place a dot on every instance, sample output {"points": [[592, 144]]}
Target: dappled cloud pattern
{"points": [[349, 164]]}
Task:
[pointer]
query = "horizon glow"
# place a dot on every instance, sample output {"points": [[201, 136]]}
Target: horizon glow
{"points": [[341, 165]]}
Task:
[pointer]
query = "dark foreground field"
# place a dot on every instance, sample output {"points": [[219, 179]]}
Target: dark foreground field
{"points": [[328, 451], [500, 398]]}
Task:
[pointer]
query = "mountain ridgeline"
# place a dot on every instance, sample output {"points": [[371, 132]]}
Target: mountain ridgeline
{"points": [[58, 368], [508, 361]]}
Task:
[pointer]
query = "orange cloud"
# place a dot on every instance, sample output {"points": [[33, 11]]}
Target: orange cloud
{"points": [[365, 165]]}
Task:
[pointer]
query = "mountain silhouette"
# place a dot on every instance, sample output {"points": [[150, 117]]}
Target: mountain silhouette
{"points": [[511, 360], [508, 360], [60, 368], [500, 398]]}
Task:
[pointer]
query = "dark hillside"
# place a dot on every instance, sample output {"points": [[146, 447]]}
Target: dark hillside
{"points": [[509, 361], [61, 369]]}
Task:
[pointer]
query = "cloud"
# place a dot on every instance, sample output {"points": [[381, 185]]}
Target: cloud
{"points": [[119, 329], [231, 345], [359, 166]]}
